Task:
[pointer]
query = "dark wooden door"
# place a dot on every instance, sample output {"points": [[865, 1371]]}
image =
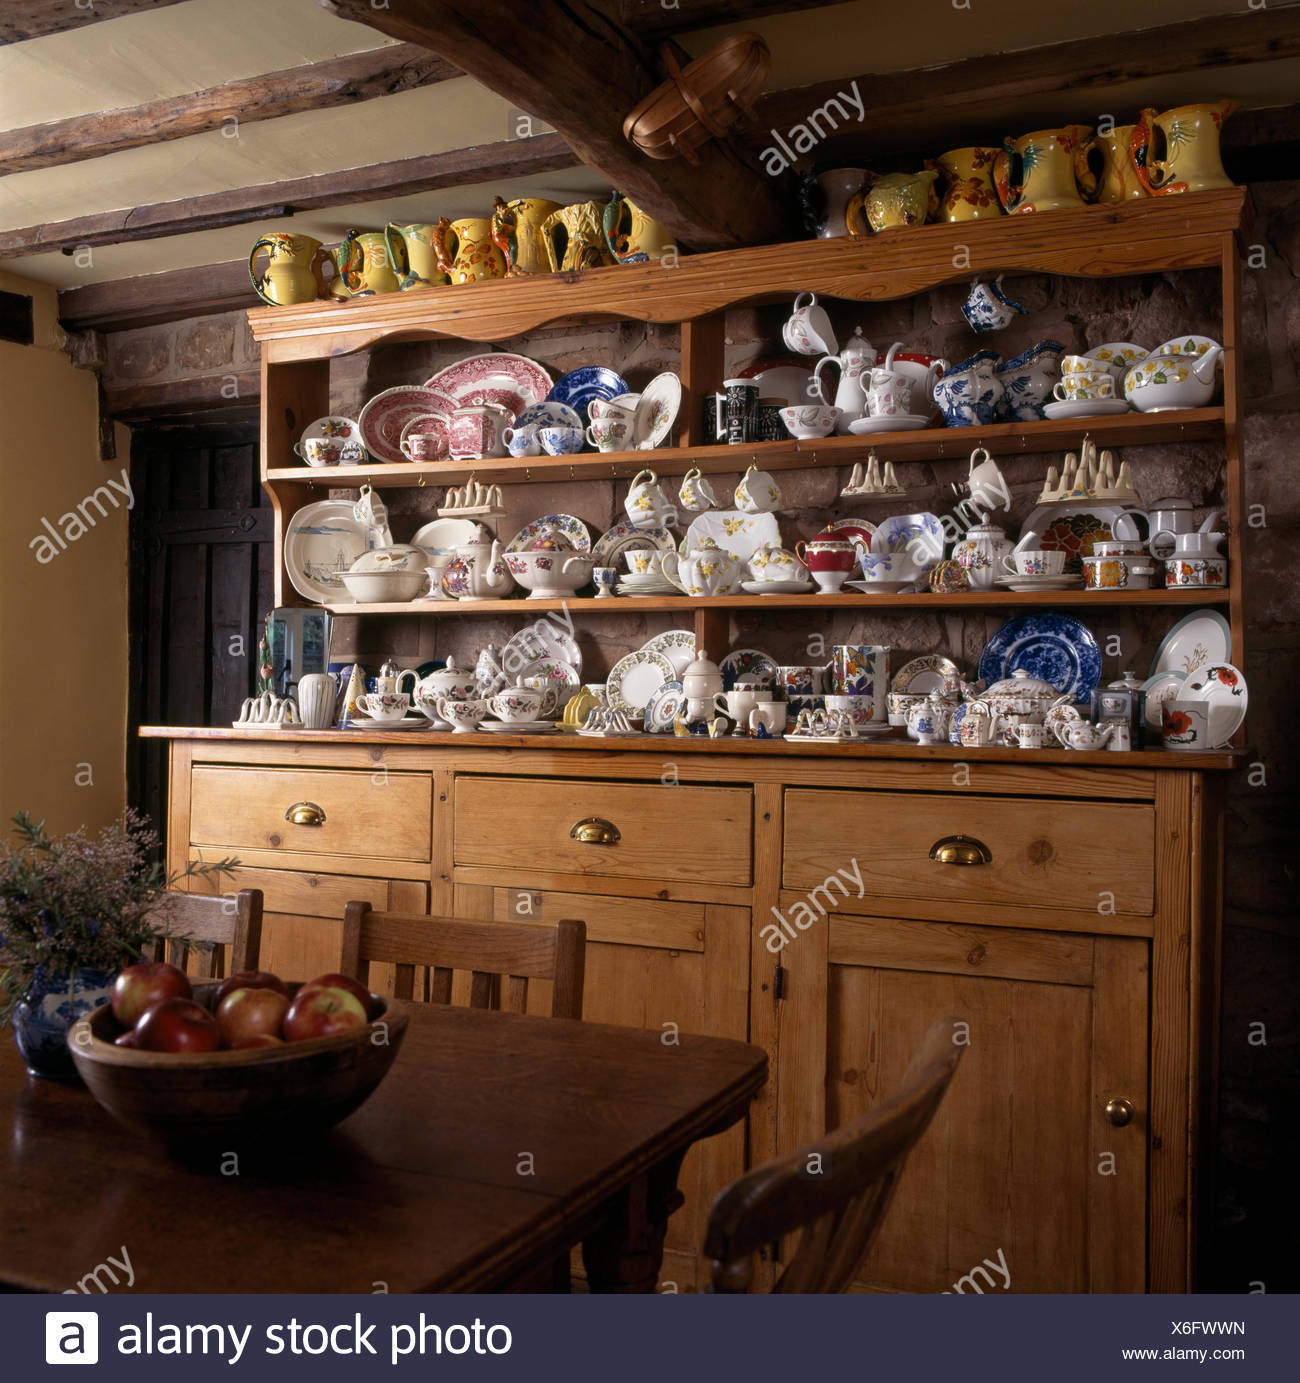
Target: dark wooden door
{"points": [[201, 584]]}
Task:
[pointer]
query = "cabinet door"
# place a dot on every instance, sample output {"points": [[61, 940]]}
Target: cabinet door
{"points": [[1022, 1182], [671, 968]]}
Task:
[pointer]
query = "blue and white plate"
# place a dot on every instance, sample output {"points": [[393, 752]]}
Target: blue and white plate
{"points": [[664, 706], [748, 665], [1055, 648], [579, 387], [549, 413]]}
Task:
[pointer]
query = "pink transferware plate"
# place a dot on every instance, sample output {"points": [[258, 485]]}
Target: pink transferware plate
{"points": [[385, 417], [512, 381]]}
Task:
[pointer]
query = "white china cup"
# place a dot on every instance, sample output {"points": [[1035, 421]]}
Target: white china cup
{"points": [[1087, 385], [641, 562], [757, 492], [461, 715], [610, 410], [609, 434], [808, 329], [517, 705], [523, 441], [646, 504], [1032, 736], [771, 715], [1034, 562], [1184, 725], [696, 494], [384, 705]]}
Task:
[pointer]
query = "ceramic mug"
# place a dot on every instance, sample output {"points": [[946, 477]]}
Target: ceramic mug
{"points": [[646, 504], [1035, 562], [890, 395], [737, 703], [696, 494], [1032, 736], [1105, 573], [423, 446], [757, 492], [736, 409], [800, 681], [1184, 724], [769, 426], [317, 697], [1196, 571], [858, 669], [608, 434], [1091, 384], [771, 715], [385, 705]]}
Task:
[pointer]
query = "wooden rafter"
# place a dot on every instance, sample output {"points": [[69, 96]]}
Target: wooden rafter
{"points": [[575, 66], [24, 19], [149, 299], [655, 19], [972, 101], [511, 158], [337, 82]]}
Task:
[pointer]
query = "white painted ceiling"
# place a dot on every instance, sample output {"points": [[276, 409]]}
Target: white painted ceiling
{"points": [[202, 43]]}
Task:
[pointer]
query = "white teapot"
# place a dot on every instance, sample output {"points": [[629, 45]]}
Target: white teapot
{"points": [[856, 362], [980, 554], [712, 571], [451, 681], [1083, 734], [477, 571]]}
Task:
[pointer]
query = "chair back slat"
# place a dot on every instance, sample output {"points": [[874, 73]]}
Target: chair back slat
{"points": [[487, 950], [839, 1211], [213, 922], [404, 982], [515, 999]]}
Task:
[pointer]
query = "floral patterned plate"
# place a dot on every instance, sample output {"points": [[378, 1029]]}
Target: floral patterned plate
{"points": [[657, 411], [663, 708], [633, 680], [677, 645], [748, 665], [923, 675], [608, 549], [1222, 688], [858, 531], [333, 425], [552, 672], [1073, 528], [562, 525], [740, 533], [540, 640], [385, 417]]}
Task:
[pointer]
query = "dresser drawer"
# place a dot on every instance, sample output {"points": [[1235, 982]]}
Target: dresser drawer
{"points": [[347, 813], [683, 833], [1075, 856]]}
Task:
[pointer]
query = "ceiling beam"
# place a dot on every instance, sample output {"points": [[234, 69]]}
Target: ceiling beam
{"points": [[151, 299], [511, 158], [336, 82], [971, 101], [24, 19], [657, 19], [573, 65]]}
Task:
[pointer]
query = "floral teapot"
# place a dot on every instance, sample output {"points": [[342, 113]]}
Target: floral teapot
{"points": [[856, 362], [477, 571], [981, 552], [451, 681]]}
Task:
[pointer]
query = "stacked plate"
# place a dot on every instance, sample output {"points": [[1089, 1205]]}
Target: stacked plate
{"points": [[651, 583], [643, 678]]}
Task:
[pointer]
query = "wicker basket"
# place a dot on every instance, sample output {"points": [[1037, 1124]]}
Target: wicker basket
{"points": [[700, 101]]}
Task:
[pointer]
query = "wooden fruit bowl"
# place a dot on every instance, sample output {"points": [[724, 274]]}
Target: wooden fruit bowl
{"points": [[240, 1097]]}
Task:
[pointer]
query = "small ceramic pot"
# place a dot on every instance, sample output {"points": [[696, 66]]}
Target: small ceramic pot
{"points": [[1032, 736], [606, 579], [927, 720], [1196, 571], [1105, 573]]}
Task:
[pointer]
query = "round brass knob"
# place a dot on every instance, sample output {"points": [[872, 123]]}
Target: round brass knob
{"points": [[1120, 1112], [961, 850], [595, 830], [305, 814]]}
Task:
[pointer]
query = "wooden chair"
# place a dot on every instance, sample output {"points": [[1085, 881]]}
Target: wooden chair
{"points": [[519, 951], [203, 918], [840, 1209]]}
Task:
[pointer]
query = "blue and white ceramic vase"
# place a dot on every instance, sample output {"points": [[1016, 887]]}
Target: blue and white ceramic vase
{"points": [[53, 1003]]}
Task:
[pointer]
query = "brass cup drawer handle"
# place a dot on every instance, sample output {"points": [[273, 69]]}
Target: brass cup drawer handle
{"points": [[305, 814], [1120, 1112], [595, 830], [961, 850]]}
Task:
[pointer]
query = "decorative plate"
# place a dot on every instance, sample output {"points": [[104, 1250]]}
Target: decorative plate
{"points": [[748, 665], [740, 533], [518, 727], [554, 672], [1159, 688], [323, 540], [386, 415], [1085, 408], [1072, 529], [513, 381], [923, 675], [634, 679], [551, 525], [677, 645], [900, 422], [776, 587], [1055, 648], [858, 531], [444, 535], [429, 425], [579, 387], [657, 411], [663, 708], [333, 425], [1196, 641], [541, 639], [1223, 689], [609, 548], [549, 413]]}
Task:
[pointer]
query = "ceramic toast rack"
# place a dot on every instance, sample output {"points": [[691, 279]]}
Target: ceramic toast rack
{"points": [[472, 500], [1084, 477], [872, 482]]}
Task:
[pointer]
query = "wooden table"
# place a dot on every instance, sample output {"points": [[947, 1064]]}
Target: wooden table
{"points": [[495, 1144]]}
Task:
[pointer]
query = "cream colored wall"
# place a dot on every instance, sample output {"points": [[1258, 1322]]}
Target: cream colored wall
{"points": [[63, 625]]}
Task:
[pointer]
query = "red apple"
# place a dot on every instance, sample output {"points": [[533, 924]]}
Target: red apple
{"points": [[177, 1025], [336, 981], [323, 1012], [247, 979], [138, 987], [258, 1039], [251, 1013], [126, 1039]]}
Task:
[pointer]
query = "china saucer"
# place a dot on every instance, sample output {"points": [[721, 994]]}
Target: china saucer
{"points": [[522, 727], [903, 422], [777, 587], [880, 587], [1085, 408], [1059, 582]]}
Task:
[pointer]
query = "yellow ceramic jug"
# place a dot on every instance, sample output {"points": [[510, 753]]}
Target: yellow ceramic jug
{"points": [[632, 236], [1047, 170], [898, 199], [365, 265], [517, 233], [298, 271], [465, 250], [970, 194], [1178, 151], [574, 238], [1118, 180], [415, 259]]}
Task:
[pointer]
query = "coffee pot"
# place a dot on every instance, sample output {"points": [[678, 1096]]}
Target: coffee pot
{"points": [[701, 682], [477, 571], [856, 362]]}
